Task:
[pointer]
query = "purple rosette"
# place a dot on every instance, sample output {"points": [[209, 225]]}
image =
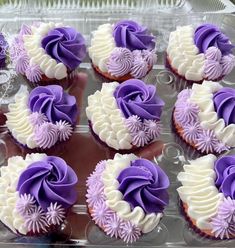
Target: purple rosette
{"points": [[49, 181], [65, 45], [133, 36], [54, 103], [134, 97], [224, 103], [144, 184], [208, 35], [225, 171]]}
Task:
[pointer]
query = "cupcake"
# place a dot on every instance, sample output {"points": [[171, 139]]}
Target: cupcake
{"points": [[36, 193], [204, 117], [42, 118], [123, 50], [126, 196], [208, 195], [47, 52], [125, 116], [200, 53]]}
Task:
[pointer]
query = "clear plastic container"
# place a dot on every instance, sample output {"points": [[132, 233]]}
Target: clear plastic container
{"points": [[83, 153]]}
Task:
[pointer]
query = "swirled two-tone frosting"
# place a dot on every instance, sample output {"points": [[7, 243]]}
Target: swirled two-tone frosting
{"points": [[47, 48], [36, 192], [125, 115], [132, 191], [201, 53], [206, 118], [123, 49], [43, 117], [207, 193]]}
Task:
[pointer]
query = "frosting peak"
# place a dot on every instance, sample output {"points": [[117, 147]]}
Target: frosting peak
{"points": [[134, 97], [54, 103], [144, 184], [133, 36], [48, 181], [208, 35], [66, 45], [224, 102]]}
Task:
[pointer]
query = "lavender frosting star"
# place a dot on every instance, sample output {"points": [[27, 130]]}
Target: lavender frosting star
{"points": [[65, 45], [144, 184], [120, 62], [134, 97], [133, 36]]}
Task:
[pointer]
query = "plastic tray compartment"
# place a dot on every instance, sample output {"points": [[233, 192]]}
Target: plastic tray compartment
{"points": [[82, 152]]}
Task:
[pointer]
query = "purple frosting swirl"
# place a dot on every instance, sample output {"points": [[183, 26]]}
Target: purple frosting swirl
{"points": [[133, 36], [144, 184], [208, 35], [134, 97], [224, 103], [54, 103], [65, 45], [49, 180], [225, 171]]}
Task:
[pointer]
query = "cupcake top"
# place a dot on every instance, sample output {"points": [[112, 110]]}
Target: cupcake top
{"points": [[207, 115], [209, 192], [37, 193], [125, 115], [123, 48], [130, 192], [49, 49], [209, 50], [43, 117]]}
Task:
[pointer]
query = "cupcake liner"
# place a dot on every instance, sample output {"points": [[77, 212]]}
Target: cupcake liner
{"points": [[110, 77], [203, 233], [45, 81], [113, 78]]}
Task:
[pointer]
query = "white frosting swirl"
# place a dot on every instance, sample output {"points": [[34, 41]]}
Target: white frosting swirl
{"points": [[202, 95], [199, 191], [107, 119], [9, 176], [184, 54], [114, 198], [38, 56], [102, 45], [18, 121]]}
